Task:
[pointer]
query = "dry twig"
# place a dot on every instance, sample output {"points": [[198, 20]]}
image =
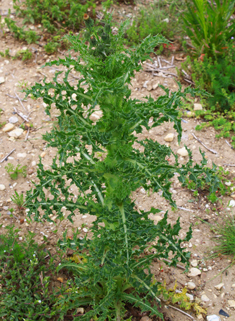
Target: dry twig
{"points": [[7, 155], [170, 306], [228, 144], [210, 150], [21, 115], [20, 100]]}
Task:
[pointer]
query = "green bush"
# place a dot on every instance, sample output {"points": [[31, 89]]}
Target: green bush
{"points": [[207, 24], [158, 18], [217, 76], [53, 14], [25, 292]]}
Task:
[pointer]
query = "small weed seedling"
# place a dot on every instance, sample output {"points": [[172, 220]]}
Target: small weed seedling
{"points": [[114, 269], [226, 240], [14, 172], [18, 200]]}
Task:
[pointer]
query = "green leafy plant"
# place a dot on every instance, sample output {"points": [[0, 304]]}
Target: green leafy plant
{"points": [[226, 240], [24, 55], [210, 180], [29, 36], [24, 275], [158, 18], [113, 269], [56, 18], [15, 171], [217, 76], [18, 199], [207, 24], [181, 298], [5, 54]]}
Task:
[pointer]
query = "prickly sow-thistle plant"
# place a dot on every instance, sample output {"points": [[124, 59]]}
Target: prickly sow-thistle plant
{"points": [[114, 269]]}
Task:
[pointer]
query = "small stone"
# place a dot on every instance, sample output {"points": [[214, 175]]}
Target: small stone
{"points": [[231, 303], [191, 285], [219, 286], [155, 85], [227, 183], [190, 114], [146, 318], [197, 107], [33, 163], [231, 203], [233, 285], [213, 317], [21, 155], [190, 296], [8, 127], [2, 187], [43, 154], [169, 137], [205, 298], [13, 119], [16, 133], [194, 272], [194, 263], [2, 80], [182, 152], [223, 313], [80, 310], [30, 171]]}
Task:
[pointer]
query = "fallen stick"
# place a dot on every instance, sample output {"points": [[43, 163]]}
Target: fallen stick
{"points": [[184, 209], [189, 81], [166, 73], [210, 150], [7, 155], [181, 312], [15, 97], [178, 265], [20, 101], [27, 135], [21, 115], [159, 62], [228, 144], [232, 165]]}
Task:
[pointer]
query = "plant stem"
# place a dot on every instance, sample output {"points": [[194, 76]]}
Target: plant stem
{"points": [[121, 208], [118, 311]]}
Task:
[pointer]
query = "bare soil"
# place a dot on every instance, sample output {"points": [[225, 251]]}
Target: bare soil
{"points": [[198, 212]]}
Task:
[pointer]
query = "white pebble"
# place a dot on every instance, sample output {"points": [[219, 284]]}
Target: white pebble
{"points": [[182, 152], [21, 155], [169, 137], [2, 187], [8, 127]]}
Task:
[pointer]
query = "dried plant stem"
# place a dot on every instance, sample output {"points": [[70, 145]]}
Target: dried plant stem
{"points": [[170, 306], [210, 150]]}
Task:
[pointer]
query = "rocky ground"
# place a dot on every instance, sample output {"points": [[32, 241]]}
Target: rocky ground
{"points": [[208, 279]]}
